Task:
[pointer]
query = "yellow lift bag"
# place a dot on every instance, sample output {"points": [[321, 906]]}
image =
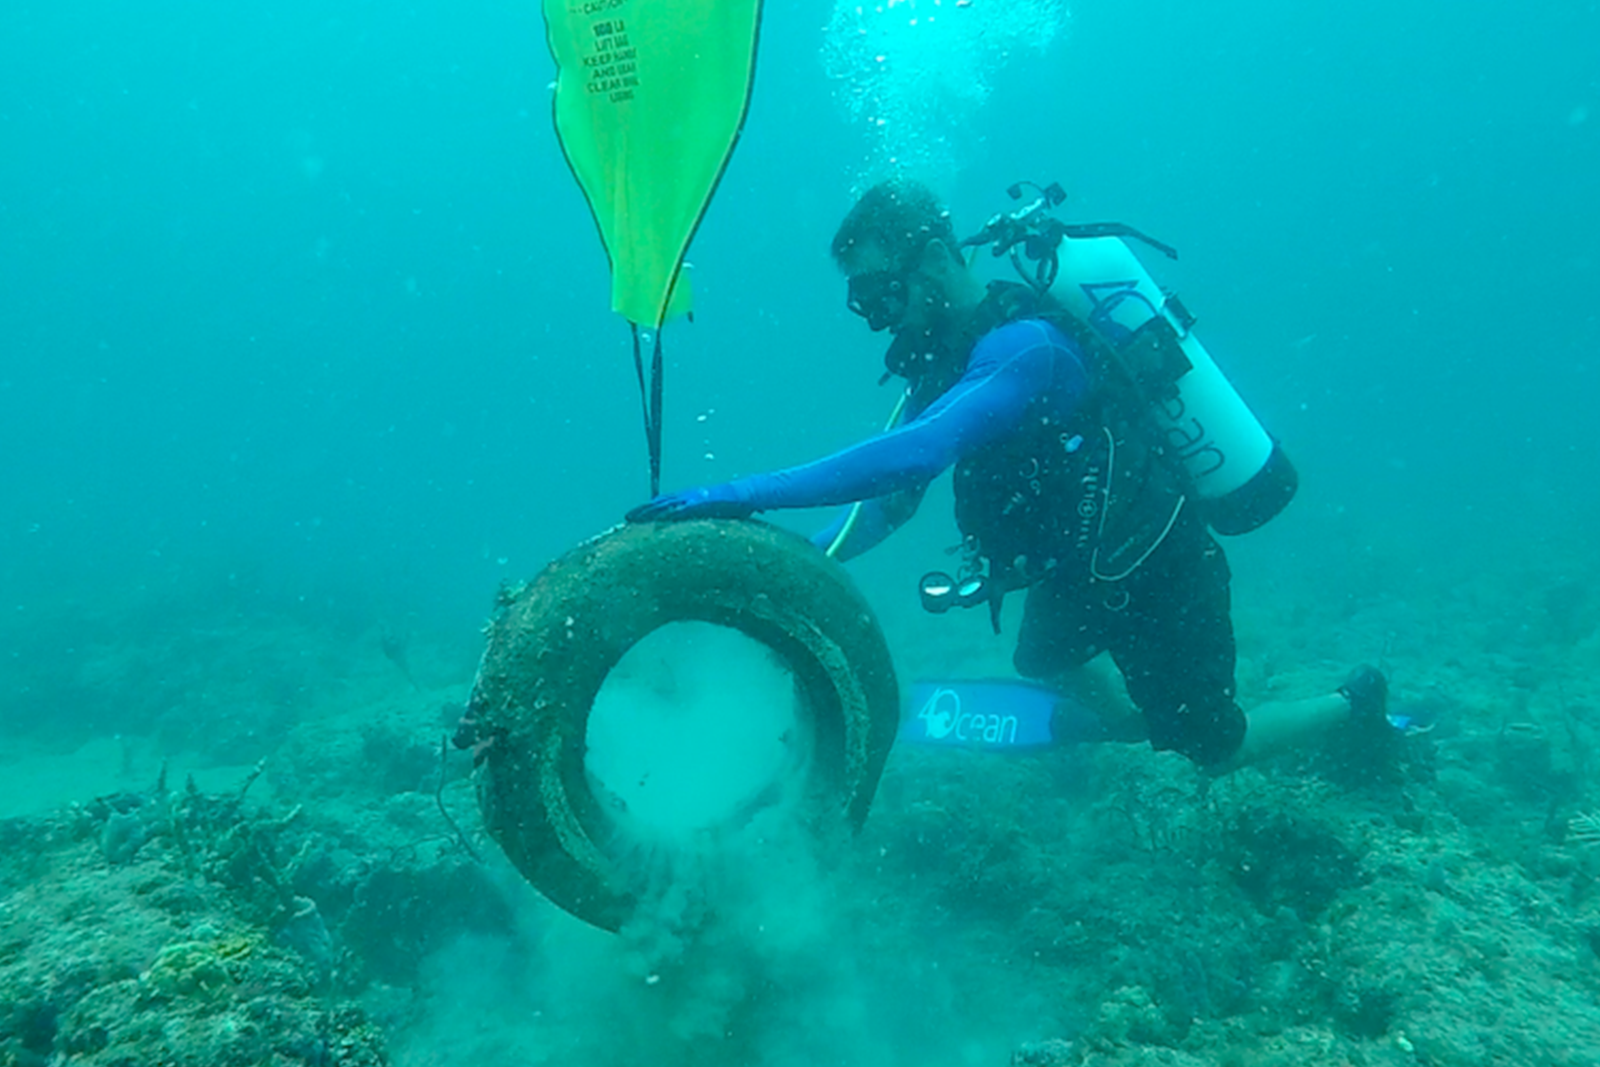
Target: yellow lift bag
{"points": [[650, 97]]}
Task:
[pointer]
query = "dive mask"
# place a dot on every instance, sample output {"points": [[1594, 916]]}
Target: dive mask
{"points": [[880, 297]]}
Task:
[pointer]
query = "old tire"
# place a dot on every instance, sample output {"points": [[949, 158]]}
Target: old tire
{"points": [[554, 641]]}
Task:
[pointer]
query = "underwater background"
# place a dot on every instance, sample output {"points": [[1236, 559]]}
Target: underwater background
{"points": [[305, 348]]}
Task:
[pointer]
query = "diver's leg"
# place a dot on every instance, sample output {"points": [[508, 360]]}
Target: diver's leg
{"points": [[1281, 725], [1361, 702], [1173, 641], [1058, 631], [1096, 685], [1175, 647], [1059, 645]]}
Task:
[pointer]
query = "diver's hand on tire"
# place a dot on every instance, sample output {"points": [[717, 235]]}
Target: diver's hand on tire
{"points": [[703, 502]]}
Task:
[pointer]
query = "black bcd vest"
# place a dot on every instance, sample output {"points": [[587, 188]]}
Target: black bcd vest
{"points": [[1096, 494]]}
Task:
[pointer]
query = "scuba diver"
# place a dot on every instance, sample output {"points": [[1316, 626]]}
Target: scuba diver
{"points": [[1095, 448]]}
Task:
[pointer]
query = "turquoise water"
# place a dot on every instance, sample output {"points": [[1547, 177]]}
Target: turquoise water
{"points": [[305, 347]]}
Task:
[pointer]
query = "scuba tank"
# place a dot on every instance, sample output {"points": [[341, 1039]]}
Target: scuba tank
{"points": [[1241, 476]]}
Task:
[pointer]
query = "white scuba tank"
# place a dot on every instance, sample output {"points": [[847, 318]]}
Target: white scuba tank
{"points": [[1239, 473]]}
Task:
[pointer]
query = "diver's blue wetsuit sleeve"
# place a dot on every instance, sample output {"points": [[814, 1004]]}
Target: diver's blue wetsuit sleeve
{"points": [[1010, 367], [880, 517]]}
